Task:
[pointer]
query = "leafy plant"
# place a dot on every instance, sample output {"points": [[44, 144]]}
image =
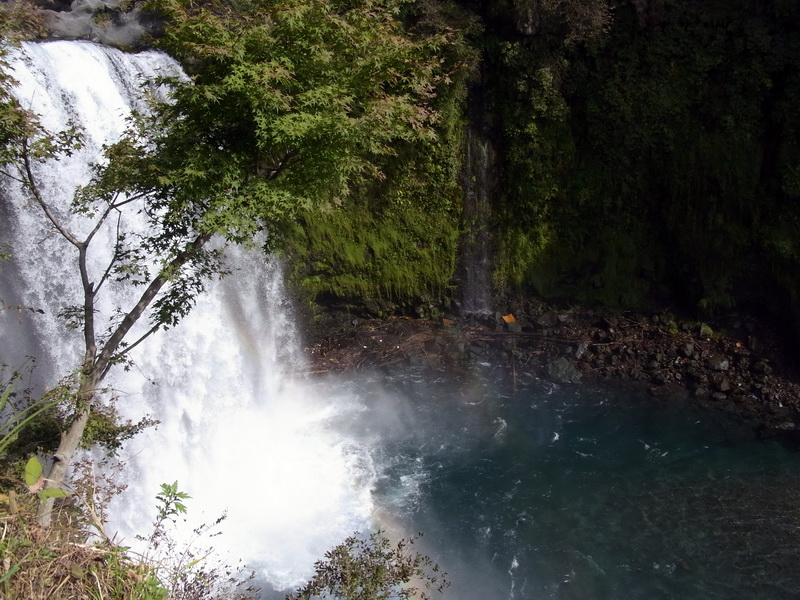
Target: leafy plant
{"points": [[186, 571], [18, 418], [288, 106], [373, 569], [34, 479]]}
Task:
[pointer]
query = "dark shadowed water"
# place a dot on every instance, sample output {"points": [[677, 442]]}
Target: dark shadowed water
{"points": [[581, 493]]}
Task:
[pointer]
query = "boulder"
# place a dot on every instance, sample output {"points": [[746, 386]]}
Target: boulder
{"points": [[547, 320], [110, 22], [562, 370], [718, 363]]}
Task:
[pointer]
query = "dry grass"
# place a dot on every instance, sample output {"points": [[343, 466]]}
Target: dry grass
{"points": [[68, 562], [59, 563]]}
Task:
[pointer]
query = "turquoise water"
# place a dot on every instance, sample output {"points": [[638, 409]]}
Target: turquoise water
{"points": [[582, 493]]}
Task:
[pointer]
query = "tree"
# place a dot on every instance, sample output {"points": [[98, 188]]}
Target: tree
{"points": [[373, 569], [287, 105]]}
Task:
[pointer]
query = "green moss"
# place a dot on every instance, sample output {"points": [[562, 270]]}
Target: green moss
{"points": [[400, 253], [657, 162]]}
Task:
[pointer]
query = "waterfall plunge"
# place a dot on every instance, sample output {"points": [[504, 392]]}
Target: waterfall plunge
{"points": [[238, 432]]}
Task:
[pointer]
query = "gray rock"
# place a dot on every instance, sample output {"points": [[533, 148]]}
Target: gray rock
{"points": [[547, 320], [705, 331], [718, 363], [563, 371], [762, 367], [100, 21], [610, 323]]}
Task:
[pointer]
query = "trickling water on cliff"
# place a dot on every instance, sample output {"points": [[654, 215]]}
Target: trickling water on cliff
{"points": [[479, 184]]}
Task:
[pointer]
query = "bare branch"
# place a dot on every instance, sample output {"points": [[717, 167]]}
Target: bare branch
{"points": [[30, 183], [88, 309], [114, 258], [130, 199], [20, 180]]}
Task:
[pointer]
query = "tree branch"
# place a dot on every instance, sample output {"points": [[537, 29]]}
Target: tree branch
{"points": [[130, 347], [130, 319], [113, 260], [30, 183]]}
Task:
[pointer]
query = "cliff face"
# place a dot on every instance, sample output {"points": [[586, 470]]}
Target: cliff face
{"points": [[641, 156], [120, 23], [654, 161]]}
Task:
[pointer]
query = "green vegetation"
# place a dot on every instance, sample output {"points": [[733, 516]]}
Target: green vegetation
{"points": [[394, 241], [65, 561], [289, 108], [656, 161], [401, 250], [373, 569]]}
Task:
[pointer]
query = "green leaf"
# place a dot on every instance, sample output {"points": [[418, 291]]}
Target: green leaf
{"points": [[53, 493], [33, 470], [10, 573]]}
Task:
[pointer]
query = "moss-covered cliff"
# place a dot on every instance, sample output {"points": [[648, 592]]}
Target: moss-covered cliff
{"points": [[645, 154], [642, 152], [658, 159]]}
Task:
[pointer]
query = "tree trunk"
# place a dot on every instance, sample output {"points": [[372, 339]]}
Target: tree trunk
{"points": [[95, 369], [70, 440]]}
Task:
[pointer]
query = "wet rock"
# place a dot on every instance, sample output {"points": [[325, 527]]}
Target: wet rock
{"points": [[601, 336], [610, 323], [762, 367], [110, 22], [705, 331], [718, 363], [659, 377], [547, 320], [562, 370]]}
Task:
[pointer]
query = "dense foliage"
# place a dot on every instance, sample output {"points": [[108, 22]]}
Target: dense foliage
{"points": [[394, 241], [373, 569], [646, 153], [656, 161], [286, 108]]}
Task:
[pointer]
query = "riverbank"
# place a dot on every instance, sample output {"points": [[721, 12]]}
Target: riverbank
{"points": [[738, 365]]}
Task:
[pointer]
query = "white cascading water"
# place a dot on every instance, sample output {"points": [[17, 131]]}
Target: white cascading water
{"points": [[240, 430]]}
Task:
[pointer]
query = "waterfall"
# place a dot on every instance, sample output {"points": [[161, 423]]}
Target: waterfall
{"points": [[240, 429], [478, 182], [544, 492]]}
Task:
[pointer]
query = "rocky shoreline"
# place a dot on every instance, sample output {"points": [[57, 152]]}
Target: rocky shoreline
{"points": [[736, 365]]}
